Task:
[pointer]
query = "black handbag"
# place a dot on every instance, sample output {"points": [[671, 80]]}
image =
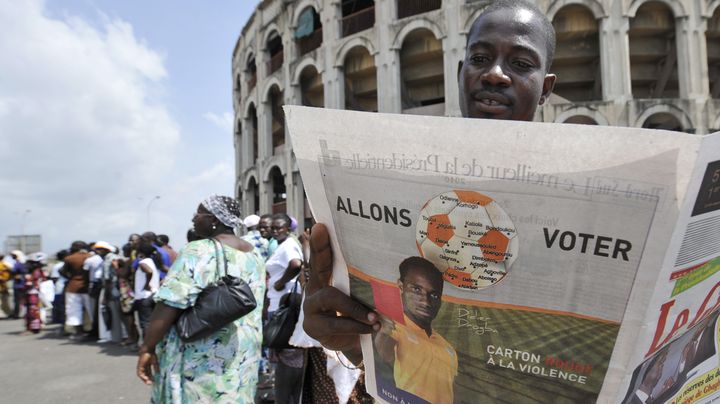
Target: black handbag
{"points": [[217, 305], [279, 329]]}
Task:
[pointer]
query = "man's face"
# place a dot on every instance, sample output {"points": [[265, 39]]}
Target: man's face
{"points": [[420, 296], [264, 227], [503, 74], [101, 252], [280, 229]]}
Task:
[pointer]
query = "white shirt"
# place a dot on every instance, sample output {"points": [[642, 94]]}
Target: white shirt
{"points": [[94, 264], [60, 282], [141, 279], [276, 265]]}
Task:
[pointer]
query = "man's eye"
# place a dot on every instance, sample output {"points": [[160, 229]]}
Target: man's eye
{"points": [[522, 65], [434, 296], [479, 59]]}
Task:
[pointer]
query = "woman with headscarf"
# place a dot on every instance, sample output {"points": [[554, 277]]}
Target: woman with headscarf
{"points": [[223, 366]]}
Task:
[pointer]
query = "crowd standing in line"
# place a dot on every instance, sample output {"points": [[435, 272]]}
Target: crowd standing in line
{"points": [[132, 295]]}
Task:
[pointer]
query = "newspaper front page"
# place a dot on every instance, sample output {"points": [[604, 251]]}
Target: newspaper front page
{"points": [[502, 256]]}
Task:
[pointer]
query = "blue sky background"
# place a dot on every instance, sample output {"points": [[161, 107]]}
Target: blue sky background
{"points": [[106, 104]]}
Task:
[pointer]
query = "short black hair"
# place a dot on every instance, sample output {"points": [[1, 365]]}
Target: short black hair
{"points": [[146, 249], [78, 246], [546, 24], [266, 216], [284, 217], [420, 263], [163, 238], [60, 255]]}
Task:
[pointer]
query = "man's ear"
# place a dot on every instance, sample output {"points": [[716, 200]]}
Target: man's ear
{"points": [[400, 284], [548, 85], [460, 65]]}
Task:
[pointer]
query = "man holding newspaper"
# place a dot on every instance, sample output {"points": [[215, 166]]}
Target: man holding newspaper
{"points": [[504, 76]]}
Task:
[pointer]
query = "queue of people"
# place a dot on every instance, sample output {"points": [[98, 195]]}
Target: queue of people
{"points": [[133, 295], [93, 290]]}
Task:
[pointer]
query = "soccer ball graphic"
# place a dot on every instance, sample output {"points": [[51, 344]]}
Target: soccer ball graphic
{"points": [[469, 237]]}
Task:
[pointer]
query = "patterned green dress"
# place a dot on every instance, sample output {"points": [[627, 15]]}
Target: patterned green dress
{"points": [[222, 368]]}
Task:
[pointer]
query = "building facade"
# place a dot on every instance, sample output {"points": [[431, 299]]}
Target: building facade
{"points": [[640, 63]]}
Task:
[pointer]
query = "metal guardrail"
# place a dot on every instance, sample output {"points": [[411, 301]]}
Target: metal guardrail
{"points": [[310, 42], [406, 8], [275, 63], [358, 21]]}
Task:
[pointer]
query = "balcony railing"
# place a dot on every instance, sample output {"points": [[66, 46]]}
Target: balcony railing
{"points": [[358, 21], [252, 81], [275, 63], [279, 207], [406, 8], [310, 42]]}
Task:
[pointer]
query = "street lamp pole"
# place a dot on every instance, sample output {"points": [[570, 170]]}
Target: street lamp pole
{"points": [[22, 229], [148, 209]]}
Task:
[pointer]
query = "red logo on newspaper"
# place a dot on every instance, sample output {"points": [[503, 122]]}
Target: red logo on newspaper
{"points": [[709, 304]]}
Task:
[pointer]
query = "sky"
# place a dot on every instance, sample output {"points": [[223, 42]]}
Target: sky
{"points": [[107, 105]]}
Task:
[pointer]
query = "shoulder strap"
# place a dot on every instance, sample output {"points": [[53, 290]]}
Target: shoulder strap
{"points": [[217, 255]]}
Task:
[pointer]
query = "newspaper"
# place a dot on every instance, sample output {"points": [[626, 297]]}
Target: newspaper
{"points": [[522, 262]]}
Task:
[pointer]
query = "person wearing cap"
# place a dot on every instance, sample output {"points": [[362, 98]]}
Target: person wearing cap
{"points": [[34, 264], [106, 252], [94, 267], [254, 237]]}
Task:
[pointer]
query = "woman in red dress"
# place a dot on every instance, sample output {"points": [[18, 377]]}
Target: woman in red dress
{"points": [[35, 263]]}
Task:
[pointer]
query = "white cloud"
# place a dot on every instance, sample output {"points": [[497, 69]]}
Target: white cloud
{"points": [[82, 134], [224, 121]]}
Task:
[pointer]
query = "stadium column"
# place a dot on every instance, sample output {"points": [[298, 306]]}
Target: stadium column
{"points": [[264, 152], [387, 60], [453, 51], [692, 67], [615, 58], [246, 146], [333, 86]]}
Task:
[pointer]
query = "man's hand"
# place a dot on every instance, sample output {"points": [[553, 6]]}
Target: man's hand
{"points": [[331, 317]]}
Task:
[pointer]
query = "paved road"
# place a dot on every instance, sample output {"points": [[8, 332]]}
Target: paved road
{"points": [[46, 368]]}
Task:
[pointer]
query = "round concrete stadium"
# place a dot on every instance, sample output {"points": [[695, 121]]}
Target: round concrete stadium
{"points": [[639, 63]]}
